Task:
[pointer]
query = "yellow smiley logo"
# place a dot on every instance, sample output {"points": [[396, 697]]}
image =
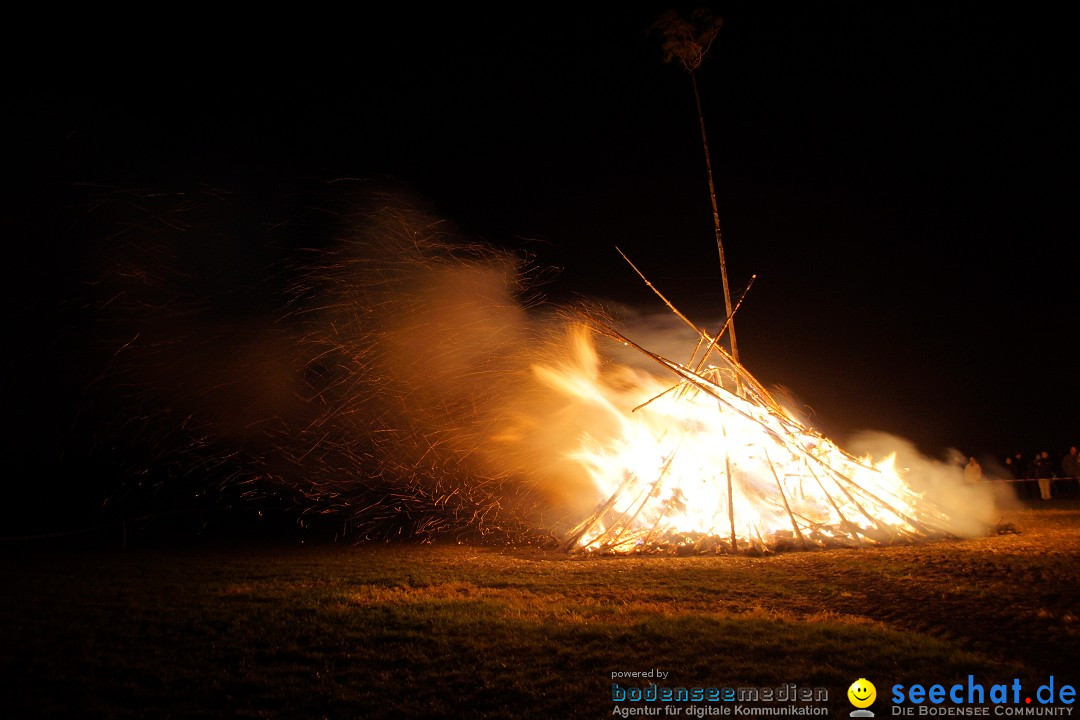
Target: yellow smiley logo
{"points": [[862, 693]]}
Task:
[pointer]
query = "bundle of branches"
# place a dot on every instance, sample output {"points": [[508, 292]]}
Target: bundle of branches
{"points": [[721, 466]]}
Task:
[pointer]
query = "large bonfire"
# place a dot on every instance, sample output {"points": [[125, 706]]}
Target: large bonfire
{"points": [[711, 462], [415, 388]]}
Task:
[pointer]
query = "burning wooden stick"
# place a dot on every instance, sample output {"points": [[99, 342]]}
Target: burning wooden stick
{"points": [[643, 519]]}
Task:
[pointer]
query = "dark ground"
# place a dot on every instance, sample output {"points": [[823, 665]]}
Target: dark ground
{"points": [[306, 631]]}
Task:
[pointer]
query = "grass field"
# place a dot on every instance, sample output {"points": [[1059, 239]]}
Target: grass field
{"points": [[394, 631]]}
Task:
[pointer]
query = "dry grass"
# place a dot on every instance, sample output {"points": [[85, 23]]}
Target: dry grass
{"points": [[465, 631]]}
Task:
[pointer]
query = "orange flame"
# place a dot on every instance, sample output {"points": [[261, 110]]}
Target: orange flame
{"points": [[713, 462]]}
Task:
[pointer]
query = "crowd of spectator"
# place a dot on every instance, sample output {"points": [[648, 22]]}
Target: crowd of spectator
{"points": [[1044, 477]]}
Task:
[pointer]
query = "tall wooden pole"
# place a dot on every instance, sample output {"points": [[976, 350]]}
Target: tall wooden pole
{"points": [[716, 218]]}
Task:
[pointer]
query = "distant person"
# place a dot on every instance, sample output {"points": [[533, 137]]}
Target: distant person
{"points": [[1070, 464], [1070, 468], [1029, 467], [972, 471], [1014, 475], [1044, 473], [1029, 474], [1021, 473]]}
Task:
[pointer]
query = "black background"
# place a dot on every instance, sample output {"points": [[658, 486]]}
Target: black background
{"points": [[900, 180]]}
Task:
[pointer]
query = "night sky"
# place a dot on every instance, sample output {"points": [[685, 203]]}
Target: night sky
{"points": [[900, 181]]}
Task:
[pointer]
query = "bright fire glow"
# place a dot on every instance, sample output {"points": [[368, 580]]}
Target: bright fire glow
{"points": [[714, 463]]}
